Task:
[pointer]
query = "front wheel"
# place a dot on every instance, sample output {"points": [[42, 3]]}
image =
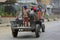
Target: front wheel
{"points": [[15, 33], [37, 30]]}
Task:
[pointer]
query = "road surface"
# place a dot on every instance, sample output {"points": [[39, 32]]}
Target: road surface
{"points": [[52, 32]]}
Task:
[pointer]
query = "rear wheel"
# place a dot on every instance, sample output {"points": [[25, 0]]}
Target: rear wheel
{"points": [[43, 28], [37, 30]]}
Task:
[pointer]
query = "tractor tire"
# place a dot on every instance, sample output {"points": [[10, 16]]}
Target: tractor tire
{"points": [[37, 30], [43, 28], [15, 33]]}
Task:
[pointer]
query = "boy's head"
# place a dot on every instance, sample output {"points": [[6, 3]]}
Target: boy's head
{"points": [[31, 8], [25, 7]]}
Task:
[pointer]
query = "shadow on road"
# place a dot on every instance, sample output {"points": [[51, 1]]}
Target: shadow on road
{"points": [[26, 36]]}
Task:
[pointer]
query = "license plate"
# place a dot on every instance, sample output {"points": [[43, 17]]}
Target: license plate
{"points": [[20, 29]]}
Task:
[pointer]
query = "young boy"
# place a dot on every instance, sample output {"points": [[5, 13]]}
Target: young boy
{"points": [[25, 15]]}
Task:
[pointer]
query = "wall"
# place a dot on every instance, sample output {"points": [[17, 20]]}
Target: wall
{"points": [[6, 20], [2, 0], [56, 3]]}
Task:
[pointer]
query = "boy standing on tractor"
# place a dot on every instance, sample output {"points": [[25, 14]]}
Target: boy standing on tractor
{"points": [[25, 15]]}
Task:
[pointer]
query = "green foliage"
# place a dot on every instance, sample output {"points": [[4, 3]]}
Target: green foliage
{"points": [[2, 13], [9, 12]]}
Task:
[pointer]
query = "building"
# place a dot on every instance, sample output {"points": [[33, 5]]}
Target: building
{"points": [[56, 3], [45, 1], [56, 6], [2, 0]]}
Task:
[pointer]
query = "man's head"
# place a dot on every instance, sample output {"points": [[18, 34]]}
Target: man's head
{"points": [[34, 8]]}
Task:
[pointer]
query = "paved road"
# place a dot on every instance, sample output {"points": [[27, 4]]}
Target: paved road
{"points": [[52, 33]]}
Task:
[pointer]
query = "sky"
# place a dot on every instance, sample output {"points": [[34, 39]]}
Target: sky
{"points": [[27, 0], [21, 0]]}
